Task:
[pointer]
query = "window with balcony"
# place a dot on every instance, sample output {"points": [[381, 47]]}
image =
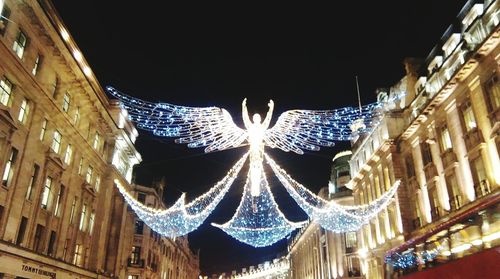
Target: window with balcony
{"points": [[32, 182], [5, 91], [66, 102], [43, 130], [46, 192], [59, 201], [24, 111], [97, 141], [68, 154], [350, 242], [38, 241], [56, 142], [481, 184], [453, 192], [20, 44], [36, 65], [8, 172], [469, 120]]}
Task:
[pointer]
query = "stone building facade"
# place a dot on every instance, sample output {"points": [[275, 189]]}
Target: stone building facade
{"points": [[317, 253], [441, 141], [152, 255], [63, 147]]}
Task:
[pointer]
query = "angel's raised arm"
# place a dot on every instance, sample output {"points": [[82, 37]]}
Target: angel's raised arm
{"points": [[244, 111], [269, 115]]}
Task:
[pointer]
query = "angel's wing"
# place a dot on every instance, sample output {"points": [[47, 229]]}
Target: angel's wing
{"points": [[209, 127], [299, 130]]}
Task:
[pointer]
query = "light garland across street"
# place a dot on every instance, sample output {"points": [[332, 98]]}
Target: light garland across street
{"points": [[258, 220]]}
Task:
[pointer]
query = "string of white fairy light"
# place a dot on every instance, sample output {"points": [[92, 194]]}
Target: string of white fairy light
{"points": [[329, 214], [258, 221], [181, 218]]}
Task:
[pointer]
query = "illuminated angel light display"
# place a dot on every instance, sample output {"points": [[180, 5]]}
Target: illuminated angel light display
{"points": [[258, 220]]}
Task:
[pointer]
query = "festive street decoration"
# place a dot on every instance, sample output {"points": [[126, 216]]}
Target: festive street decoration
{"points": [[257, 221], [181, 219], [412, 258], [329, 214]]}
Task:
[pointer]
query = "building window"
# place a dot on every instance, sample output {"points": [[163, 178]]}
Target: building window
{"points": [[426, 153], [4, 15], [72, 211], [350, 240], [31, 184], [66, 102], [136, 255], [80, 166], [468, 116], [141, 197], [8, 172], [46, 192], [410, 170], [76, 117], [91, 222], [65, 249], [68, 154], [59, 201], [23, 111], [56, 141], [77, 257], [22, 230], [55, 86], [135, 277], [36, 66], [20, 44], [97, 184], [434, 203], [88, 177], [445, 138], [139, 227], [39, 231], [83, 218], [481, 184], [453, 192], [5, 91], [43, 130], [493, 93], [52, 242], [97, 140]]}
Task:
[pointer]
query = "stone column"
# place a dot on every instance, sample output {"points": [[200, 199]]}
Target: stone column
{"points": [[464, 174], [443, 197], [420, 175]]}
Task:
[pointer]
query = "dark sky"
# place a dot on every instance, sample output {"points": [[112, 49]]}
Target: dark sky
{"points": [[301, 56]]}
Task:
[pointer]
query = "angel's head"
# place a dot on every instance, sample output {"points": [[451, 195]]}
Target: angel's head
{"points": [[256, 118]]}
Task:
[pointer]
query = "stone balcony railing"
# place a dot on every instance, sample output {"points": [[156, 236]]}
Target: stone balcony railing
{"points": [[473, 138], [456, 202], [482, 188], [449, 157]]}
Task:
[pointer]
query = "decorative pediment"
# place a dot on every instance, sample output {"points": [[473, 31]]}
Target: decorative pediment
{"points": [[54, 163], [6, 118]]}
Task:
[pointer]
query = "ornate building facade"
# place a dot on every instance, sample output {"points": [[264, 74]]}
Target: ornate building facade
{"points": [[316, 253], [63, 147], [441, 141], [152, 255]]}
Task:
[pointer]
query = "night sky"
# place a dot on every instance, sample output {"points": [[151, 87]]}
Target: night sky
{"points": [[303, 56]]}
